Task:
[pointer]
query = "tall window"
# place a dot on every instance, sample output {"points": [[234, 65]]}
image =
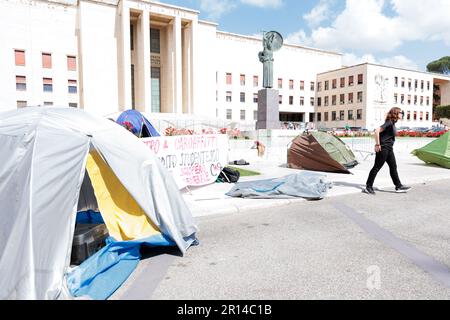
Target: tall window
{"points": [[319, 116], [47, 60], [409, 99], [255, 114], [428, 101], [242, 79], [427, 116], [319, 86], [319, 101], [395, 81], [71, 63], [325, 116], [421, 84], [48, 84], [409, 84], [333, 116], [402, 98], [421, 100], [242, 97], [350, 97], [395, 98], [280, 99], [360, 78], [21, 83], [342, 98], [229, 114], [311, 101], [302, 101], [155, 40], [291, 84], [342, 82], [350, 81], [312, 85], [360, 96], [19, 56], [280, 83], [72, 86], [228, 96], [416, 84], [325, 101], [333, 100], [302, 85], [359, 114], [255, 81], [403, 83], [334, 83], [408, 115], [350, 114], [421, 116], [228, 78], [342, 115], [428, 85], [255, 98], [415, 100], [242, 114], [291, 100], [326, 85]]}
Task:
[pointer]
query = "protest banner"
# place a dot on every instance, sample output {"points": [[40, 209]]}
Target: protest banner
{"points": [[193, 160]]}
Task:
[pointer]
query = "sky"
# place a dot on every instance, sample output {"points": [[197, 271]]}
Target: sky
{"points": [[401, 33]]}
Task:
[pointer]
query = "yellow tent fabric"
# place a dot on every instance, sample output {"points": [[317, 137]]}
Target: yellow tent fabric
{"points": [[123, 216]]}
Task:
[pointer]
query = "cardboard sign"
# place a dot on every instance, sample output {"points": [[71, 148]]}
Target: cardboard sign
{"points": [[194, 160]]}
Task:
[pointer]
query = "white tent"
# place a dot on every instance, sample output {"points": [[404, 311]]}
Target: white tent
{"points": [[44, 153]]}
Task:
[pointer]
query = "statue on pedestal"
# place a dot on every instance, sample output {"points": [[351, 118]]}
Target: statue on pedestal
{"points": [[272, 41]]}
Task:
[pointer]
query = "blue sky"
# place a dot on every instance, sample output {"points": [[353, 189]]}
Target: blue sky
{"points": [[402, 33]]}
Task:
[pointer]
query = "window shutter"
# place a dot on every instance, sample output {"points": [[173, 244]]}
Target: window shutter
{"points": [[47, 60], [19, 57], [71, 63]]}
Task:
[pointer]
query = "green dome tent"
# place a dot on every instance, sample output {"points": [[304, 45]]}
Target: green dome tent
{"points": [[437, 151], [320, 151]]}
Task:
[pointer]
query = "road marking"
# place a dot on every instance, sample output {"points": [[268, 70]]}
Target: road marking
{"points": [[437, 270]]}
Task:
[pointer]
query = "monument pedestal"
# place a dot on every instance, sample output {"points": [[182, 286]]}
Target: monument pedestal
{"points": [[268, 109]]}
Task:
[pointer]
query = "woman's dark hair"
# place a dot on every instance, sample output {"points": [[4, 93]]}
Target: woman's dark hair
{"points": [[393, 114]]}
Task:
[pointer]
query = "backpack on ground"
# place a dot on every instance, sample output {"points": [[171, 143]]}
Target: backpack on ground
{"points": [[229, 175]]}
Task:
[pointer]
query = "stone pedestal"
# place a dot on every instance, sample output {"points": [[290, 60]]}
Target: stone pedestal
{"points": [[268, 110]]}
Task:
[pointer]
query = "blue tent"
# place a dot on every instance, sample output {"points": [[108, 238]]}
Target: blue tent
{"points": [[140, 126]]}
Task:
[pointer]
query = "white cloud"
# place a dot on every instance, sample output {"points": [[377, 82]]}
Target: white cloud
{"points": [[397, 61], [216, 8], [364, 27], [318, 14], [264, 3]]}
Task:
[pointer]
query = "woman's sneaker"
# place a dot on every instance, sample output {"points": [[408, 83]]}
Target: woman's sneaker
{"points": [[368, 190], [402, 189]]}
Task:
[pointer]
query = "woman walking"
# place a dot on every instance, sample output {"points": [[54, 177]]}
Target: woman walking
{"points": [[384, 149]]}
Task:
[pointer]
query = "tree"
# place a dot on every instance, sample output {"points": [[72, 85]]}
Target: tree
{"points": [[443, 112], [441, 65]]}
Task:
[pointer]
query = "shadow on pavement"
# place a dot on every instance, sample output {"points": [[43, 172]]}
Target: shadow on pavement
{"points": [[150, 252]]}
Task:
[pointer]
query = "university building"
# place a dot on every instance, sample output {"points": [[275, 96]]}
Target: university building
{"points": [[106, 56]]}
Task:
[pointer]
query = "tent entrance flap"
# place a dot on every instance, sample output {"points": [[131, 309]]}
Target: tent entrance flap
{"points": [[123, 216]]}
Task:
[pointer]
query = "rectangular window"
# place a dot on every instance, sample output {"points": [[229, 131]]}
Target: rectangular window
{"points": [[409, 84], [228, 96], [302, 101], [155, 40], [291, 100], [319, 86], [342, 98], [325, 116], [415, 100], [415, 84], [415, 116], [326, 85], [350, 81], [421, 116], [228, 78], [359, 114], [395, 81], [73, 104], [409, 99], [421, 100], [428, 101], [280, 83], [333, 116], [23, 104], [319, 116], [342, 115], [71, 63], [21, 83], [47, 60], [280, 99], [427, 116], [333, 100], [255, 114], [312, 85], [255, 98], [291, 84], [360, 78], [421, 85], [242, 97], [350, 114], [325, 101], [402, 99], [19, 56], [403, 83], [350, 97], [242, 79], [334, 84], [319, 101], [48, 103], [131, 37], [311, 117], [408, 115], [302, 85], [395, 98], [359, 96], [255, 81], [311, 101], [72, 86], [229, 114], [428, 85], [342, 82], [242, 114]]}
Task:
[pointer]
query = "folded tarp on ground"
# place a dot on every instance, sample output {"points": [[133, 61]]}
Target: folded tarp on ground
{"points": [[305, 184]]}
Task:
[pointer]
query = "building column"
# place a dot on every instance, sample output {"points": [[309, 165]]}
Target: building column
{"points": [[144, 66], [177, 83], [125, 97], [192, 65]]}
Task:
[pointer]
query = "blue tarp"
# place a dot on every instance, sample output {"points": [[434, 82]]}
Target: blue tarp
{"points": [[141, 127], [305, 184]]}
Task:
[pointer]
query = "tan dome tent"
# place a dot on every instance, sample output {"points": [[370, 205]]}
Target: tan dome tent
{"points": [[320, 151]]}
